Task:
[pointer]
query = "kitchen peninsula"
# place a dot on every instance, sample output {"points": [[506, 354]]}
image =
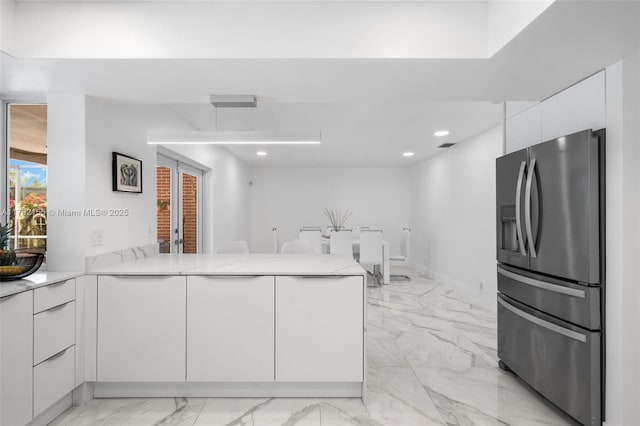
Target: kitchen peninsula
{"points": [[240, 325]]}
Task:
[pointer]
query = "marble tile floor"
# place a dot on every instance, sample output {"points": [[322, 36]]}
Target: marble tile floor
{"points": [[431, 361]]}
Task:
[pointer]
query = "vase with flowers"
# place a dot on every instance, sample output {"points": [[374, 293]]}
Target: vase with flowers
{"points": [[337, 218]]}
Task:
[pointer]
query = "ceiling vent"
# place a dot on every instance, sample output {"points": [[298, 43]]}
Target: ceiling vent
{"points": [[446, 145], [233, 101]]}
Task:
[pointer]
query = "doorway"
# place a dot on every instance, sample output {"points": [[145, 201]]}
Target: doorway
{"points": [[179, 206]]}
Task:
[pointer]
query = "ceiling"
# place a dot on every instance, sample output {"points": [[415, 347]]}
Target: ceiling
{"points": [[28, 132], [370, 110]]}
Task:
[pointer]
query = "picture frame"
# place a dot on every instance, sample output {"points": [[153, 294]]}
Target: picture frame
{"points": [[126, 172]]}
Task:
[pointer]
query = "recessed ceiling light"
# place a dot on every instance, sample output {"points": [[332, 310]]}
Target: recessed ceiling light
{"points": [[261, 153], [408, 154], [441, 133]]}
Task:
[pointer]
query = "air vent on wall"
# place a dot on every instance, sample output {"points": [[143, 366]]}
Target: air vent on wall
{"points": [[446, 145]]}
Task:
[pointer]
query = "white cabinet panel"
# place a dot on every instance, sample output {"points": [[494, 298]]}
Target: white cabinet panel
{"points": [[319, 329], [53, 379], [141, 329], [577, 108], [230, 330], [16, 362], [53, 295], [523, 129], [53, 331]]}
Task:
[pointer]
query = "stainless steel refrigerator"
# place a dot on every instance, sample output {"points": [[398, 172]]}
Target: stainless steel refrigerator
{"points": [[551, 262]]}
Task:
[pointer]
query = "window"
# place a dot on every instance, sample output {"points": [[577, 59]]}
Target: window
{"points": [[27, 175]]}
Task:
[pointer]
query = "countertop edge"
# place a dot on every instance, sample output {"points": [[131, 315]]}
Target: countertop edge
{"points": [[10, 288]]}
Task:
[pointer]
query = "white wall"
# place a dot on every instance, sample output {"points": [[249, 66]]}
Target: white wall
{"points": [[123, 128], [289, 198], [66, 185], [174, 29], [120, 128], [506, 18], [453, 215]]}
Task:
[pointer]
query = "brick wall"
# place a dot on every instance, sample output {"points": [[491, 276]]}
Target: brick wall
{"points": [[163, 177], [190, 213]]}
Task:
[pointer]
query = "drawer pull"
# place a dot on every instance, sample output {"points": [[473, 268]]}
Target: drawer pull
{"points": [[55, 356], [231, 276], [333, 277], [544, 324], [55, 308], [56, 284], [543, 285]]}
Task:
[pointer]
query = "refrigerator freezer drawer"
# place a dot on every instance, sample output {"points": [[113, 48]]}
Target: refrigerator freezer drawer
{"points": [[571, 302], [559, 360]]}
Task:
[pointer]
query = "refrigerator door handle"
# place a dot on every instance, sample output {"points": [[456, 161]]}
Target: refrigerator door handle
{"points": [[527, 209], [523, 250], [543, 285], [544, 324]]}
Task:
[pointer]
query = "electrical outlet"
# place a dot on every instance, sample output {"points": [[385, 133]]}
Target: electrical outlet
{"points": [[150, 231]]}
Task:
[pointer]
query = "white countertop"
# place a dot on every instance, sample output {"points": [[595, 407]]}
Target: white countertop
{"points": [[237, 264], [38, 279]]}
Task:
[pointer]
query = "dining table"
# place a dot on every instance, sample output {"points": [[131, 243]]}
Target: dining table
{"points": [[386, 268]]}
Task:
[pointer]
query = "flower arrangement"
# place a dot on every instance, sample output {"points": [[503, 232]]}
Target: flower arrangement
{"points": [[337, 218]]}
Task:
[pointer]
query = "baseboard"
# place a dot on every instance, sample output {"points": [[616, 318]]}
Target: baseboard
{"points": [[228, 390]]}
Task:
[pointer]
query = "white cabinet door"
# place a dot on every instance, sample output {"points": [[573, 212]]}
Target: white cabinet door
{"points": [[141, 329], [230, 329], [319, 329], [16, 358], [523, 129], [576, 108]]}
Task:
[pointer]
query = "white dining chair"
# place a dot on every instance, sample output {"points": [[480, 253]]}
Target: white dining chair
{"points": [[371, 250], [226, 247], [403, 257], [275, 239], [296, 247], [356, 231], [341, 242], [313, 237]]}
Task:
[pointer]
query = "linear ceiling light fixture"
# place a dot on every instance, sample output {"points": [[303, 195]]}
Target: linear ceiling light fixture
{"points": [[239, 137]]}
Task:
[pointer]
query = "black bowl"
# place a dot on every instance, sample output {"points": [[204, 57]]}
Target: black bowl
{"points": [[24, 265]]}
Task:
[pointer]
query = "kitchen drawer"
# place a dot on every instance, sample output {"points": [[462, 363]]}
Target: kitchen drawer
{"points": [[574, 303], [53, 295], [53, 331], [53, 379], [559, 360]]}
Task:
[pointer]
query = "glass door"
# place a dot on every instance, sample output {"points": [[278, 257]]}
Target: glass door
{"points": [[179, 206]]}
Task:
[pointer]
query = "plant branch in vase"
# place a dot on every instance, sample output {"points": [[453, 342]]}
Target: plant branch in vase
{"points": [[337, 218]]}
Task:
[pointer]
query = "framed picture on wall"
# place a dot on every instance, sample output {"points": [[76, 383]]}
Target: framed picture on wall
{"points": [[126, 173]]}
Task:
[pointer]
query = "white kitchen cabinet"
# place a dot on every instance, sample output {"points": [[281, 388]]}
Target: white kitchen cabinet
{"points": [[16, 358], [53, 331], [230, 328], [523, 129], [53, 378], [53, 295], [141, 328], [319, 329]]}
